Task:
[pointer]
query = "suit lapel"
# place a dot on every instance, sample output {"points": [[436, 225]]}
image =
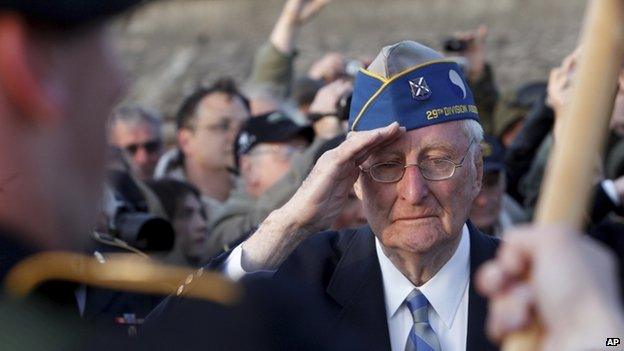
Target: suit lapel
{"points": [[357, 287], [97, 300], [482, 248]]}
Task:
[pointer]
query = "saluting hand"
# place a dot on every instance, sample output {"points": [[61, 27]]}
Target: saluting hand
{"points": [[322, 195], [318, 201]]}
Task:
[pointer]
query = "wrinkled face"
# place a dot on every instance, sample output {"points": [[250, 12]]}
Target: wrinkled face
{"points": [[143, 144], [487, 205], [266, 163], [219, 118], [190, 228], [415, 214]]}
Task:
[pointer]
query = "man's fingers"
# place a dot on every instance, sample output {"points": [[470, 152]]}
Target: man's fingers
{"points": [[364, 154], [510, 312], [569, 62], [482, 32], [339, 87], [512, 261], [344, 87], [490, 279], [357, 141], [359, 145], [311, 8]]}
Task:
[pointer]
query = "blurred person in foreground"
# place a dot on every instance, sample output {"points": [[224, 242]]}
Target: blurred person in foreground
{"points": [[275, 155], [493, 211], [182, 204], [208, 121], [573, 289], [138, 131], [59, 79], [413, 157]]}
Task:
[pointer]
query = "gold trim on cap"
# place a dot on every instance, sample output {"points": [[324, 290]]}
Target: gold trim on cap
{"points": [[389, 81]]}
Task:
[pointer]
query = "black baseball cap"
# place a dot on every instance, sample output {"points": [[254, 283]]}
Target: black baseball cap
{"points": [[493, 154], [273, 127], [67, 12]]}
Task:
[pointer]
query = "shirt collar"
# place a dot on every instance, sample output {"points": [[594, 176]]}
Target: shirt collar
{"points": [[444, 290]]}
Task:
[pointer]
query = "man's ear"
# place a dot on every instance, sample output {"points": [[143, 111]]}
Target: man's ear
{"points": [[183, 136], [246, 169], [357, 188], [248, 174], [478, 162], [21, 81]]}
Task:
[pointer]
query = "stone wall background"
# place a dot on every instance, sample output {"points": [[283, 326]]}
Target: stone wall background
{"points": [[169, 47]]}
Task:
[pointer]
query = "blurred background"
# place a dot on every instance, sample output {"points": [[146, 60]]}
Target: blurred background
{"points": [[170, 47]]}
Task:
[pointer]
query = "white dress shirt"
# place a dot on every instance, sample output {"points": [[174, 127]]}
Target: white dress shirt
{"points": [[447, 293], [609, 187]]}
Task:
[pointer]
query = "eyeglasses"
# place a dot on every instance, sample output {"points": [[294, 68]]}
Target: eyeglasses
{"points": [[151, 147], [224, 126], [431, 169], [286, 150]]}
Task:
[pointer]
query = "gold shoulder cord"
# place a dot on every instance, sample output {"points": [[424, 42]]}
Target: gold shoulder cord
{"points": [[123, 272], [112, 241]]}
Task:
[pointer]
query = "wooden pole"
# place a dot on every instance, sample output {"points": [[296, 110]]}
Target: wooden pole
{"points": [[566, 189]]}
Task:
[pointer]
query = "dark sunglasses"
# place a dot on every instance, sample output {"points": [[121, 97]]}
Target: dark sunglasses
{"points": [[150, 146]]}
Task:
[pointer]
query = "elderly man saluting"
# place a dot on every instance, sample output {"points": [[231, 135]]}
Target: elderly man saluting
{"points": [[413, 156]]}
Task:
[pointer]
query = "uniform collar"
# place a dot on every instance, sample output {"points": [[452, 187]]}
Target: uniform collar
{"points": [[444, 290]]}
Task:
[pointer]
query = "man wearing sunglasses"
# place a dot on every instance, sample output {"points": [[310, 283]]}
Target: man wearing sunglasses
{"points": [[413, 157], [138, 131]]}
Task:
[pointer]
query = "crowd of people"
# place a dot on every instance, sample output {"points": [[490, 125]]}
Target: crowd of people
{"points": [[370, 203]]}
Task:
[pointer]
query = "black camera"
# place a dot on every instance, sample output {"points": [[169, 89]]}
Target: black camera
{"points": [[455, 45], [127, 213], [343, 106]]}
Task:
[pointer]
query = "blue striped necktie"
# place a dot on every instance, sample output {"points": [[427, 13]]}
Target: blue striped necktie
{"points": [[421, 337]]}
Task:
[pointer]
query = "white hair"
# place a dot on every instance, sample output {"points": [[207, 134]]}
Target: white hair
{"points": [[135, 114], [474, 132]]}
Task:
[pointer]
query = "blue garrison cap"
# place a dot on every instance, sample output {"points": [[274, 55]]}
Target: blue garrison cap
{"points": [[411, 84]]}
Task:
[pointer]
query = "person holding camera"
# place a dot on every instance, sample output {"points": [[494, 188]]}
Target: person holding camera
{"points": [[270, 83], [469, 49]]}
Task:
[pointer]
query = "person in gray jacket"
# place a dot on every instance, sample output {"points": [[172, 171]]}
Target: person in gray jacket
{"points": [[274, 155]]}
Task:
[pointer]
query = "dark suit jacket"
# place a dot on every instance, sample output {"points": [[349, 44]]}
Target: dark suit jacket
{"points": [[342, 270], [340, 273]]}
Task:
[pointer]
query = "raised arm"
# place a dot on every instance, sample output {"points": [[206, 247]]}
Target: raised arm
{"points": [[317, 203], [273, 64]]}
